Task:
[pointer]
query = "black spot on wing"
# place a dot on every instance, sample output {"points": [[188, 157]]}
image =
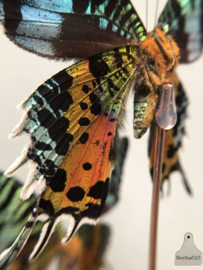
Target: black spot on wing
{"points": [[87, 166], [84, 137], [97, 142], [63, 146], [83, 106], [58, 181], [47, 207], [96, 191], [86, 89], [112, 119], [75, 194], [96, 108], [94, 211], [84, 121], [98, 66], [93, 97]]}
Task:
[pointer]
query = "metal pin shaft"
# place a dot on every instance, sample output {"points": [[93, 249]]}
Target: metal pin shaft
{"points": [[160, 136]]}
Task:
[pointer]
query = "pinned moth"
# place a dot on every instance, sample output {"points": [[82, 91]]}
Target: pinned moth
{"points": [[74, 117]]}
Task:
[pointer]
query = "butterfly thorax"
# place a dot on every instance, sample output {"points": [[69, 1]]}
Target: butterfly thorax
{"points": [[159, 56]]}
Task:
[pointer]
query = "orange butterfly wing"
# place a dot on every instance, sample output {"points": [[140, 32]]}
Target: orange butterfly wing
{"points": [[72, 120]]}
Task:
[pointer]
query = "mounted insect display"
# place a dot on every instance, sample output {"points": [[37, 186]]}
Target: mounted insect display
{"points": [[74, 118]]}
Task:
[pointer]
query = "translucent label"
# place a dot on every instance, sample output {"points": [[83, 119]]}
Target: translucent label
{"points": [[166, 115], [188, 254]]}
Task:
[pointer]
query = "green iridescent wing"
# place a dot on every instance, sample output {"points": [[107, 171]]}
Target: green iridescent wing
{"points": [[184, 19], [14, 212]]}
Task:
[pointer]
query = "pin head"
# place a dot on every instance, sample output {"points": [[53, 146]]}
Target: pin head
{"points": [[166, 115]]}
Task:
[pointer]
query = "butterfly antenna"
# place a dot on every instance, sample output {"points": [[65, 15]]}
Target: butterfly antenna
{"points": [[156, 12]]}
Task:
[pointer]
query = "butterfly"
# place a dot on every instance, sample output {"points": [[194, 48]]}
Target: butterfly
{"points": [[73, 118]]}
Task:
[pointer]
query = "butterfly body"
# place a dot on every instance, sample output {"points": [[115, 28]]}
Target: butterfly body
{"points": [[158, 53]]}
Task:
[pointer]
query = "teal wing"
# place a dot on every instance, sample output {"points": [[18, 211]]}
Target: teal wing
{"points": [[184, 19], [72, 28]]}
